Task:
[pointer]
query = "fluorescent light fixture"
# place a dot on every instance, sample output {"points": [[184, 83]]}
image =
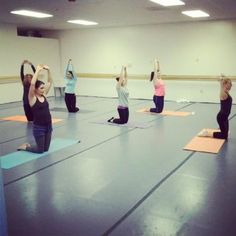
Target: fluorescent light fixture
{"points": [[31, 13], [168, 3], [195, 13], [82, 22]]}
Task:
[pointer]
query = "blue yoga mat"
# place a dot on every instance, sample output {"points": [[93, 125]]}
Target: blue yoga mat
{"points": [[20, 157], [3, 216]]}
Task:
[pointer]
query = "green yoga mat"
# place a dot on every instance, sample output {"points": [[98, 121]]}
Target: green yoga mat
{"points": [[20, 157]]}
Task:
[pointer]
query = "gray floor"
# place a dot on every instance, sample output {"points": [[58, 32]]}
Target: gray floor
{"points": [[120, 180]]}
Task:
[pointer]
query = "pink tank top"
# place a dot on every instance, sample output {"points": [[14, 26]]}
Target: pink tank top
{"points": [[159, 88]]}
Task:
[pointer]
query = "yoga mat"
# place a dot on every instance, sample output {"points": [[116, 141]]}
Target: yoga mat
{"points": [[167, 113], [205, 144], [129, 124], [62, 109], [3, 216], [23, 119], [20, 157]]}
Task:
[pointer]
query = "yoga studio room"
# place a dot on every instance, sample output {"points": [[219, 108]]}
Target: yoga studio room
{"points": [[118, 118]]}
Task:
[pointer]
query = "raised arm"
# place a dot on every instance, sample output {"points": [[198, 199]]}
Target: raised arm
{"points": [[31, 95], [123, 77], [50, 81], [156, 70], [71, 68], [223, 94], [68, 66], [22, 75], [32, 66]]}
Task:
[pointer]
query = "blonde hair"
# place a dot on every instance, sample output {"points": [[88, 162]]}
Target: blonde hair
{"points": [[226, 81]]}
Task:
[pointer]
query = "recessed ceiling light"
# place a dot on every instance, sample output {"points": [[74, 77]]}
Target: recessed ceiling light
{"points": [[31, 13], [195, 13], [168, 3], [82, 22]]}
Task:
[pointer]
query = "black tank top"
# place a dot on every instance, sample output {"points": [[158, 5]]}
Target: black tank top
{"points": [[41, 112], [225, 105]]}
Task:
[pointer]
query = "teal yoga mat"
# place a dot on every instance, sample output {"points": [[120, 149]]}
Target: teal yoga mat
{"points": [[20, 157]]}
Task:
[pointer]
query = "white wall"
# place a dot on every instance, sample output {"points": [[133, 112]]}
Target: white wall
{"points": [[15, 49], [180, 91], [198, 48], [201, 48]]}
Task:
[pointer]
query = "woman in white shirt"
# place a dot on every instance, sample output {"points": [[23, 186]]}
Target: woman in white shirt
{"points": [[123, 98]]}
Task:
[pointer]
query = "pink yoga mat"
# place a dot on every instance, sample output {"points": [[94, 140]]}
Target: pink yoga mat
{"points": [[205, 144], [167, 113], [21, 118]]}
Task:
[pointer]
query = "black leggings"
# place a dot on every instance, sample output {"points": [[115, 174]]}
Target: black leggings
{"points": [[223, 122], [124, 116], [42, 143], [159, 102], [28, 112], [70, 100]]}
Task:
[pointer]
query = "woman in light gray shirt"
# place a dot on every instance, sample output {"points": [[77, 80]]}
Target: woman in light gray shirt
{"points": [[123, 98]]}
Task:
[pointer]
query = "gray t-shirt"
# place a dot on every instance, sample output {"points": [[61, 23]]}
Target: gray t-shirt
{"points": [[123, 96]]}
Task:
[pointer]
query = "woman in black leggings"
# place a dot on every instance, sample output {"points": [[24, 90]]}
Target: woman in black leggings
{"points": [[223, 114], [42, 123]]}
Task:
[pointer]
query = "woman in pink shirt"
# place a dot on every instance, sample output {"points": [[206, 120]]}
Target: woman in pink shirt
{"points": [[159, 86]]}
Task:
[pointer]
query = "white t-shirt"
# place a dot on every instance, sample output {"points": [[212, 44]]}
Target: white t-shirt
{"points": [[123, 96]]}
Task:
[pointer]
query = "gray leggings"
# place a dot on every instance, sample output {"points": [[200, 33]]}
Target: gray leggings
{"points": [[42, 143]]}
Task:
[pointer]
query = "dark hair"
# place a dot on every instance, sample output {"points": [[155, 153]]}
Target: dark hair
{"points": [[38, 83], [117, 79], [152, 76], [71, 72], [29, 75]]}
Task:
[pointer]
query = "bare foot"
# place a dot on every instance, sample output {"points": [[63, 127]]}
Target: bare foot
{"points": [[23, 146], [205, 133]]}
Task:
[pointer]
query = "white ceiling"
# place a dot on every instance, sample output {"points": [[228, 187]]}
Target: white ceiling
{"points": [[110, 13]]}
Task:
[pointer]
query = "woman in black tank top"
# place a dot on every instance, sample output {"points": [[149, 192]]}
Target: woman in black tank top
{"points": [[223, 114], [42, 123]]}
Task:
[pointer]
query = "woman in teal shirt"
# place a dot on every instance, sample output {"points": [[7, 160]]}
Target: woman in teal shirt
{"points": [[70, 81]]}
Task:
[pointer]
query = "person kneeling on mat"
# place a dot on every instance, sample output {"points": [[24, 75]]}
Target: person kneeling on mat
{"points": [[42, 123], [70, 80], [123, 98], [159, 86], [223, 114]]}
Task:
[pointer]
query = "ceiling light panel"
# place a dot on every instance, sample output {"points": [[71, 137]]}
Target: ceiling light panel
{"points": [[31, 13], [196, 13], [82, 22], [168, 3]]}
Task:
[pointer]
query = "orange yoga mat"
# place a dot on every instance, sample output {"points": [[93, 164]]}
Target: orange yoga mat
{"points": [[205, 144], [167, 113], [23, 119]]}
